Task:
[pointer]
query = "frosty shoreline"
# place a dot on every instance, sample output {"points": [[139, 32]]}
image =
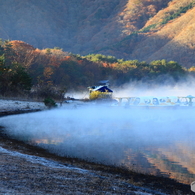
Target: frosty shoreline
{"points": [[14, 105]]}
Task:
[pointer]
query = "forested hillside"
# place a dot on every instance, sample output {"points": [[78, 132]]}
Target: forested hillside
{"points": [[143, 30], [51, 71]]}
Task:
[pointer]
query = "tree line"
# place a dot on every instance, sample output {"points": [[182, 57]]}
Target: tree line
{"points": [[51, 71]]}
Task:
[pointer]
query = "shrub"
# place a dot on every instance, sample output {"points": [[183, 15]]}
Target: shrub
{"points": [[50, 103]]}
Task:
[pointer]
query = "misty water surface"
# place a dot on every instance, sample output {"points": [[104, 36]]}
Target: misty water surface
{"points": [[158, 141]]}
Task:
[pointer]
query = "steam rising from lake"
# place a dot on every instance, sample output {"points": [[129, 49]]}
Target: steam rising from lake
{"points": [[142, 89], [110, 135]]}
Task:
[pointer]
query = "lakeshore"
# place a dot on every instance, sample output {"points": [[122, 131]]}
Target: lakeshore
{"points": [[27, 168]]}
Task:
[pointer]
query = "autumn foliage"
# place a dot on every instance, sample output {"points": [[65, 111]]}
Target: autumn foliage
{"points": [[52, 72]]}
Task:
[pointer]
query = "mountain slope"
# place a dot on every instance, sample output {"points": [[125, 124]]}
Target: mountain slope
{"points": [[171, 41], [131, 29]]}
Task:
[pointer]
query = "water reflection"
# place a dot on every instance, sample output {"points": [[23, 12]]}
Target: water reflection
{"points": [[170, 162], [155, 141]]}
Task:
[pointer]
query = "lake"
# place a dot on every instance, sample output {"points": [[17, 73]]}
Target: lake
{"points": [[156, 141]]}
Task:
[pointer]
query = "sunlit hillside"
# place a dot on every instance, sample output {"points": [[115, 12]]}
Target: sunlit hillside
{"points": [[131, 29]]}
